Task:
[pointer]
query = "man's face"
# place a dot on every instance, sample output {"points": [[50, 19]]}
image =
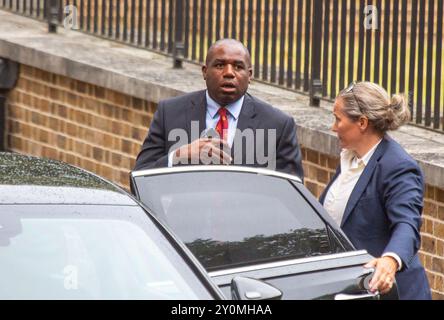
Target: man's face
{"points": [[227, 73]]}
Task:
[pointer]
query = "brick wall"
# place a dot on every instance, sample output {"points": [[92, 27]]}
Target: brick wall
{"points": [[101, 130], [319, 168], [85, 125]]}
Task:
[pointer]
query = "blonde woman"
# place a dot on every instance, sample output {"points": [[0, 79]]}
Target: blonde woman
{"points": [[376, 195]]}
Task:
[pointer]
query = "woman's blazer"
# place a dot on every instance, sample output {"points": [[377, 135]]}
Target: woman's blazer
{"points": [[383, 213]]}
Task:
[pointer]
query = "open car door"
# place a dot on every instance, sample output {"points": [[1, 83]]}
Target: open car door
{"points": [[259, 224]]}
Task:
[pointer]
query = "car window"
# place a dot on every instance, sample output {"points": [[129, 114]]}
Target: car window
{"points": [[89, 252], [230, 219]]}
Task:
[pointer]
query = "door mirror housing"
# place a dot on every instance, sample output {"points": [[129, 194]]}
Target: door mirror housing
{"points": [[243, 288]]}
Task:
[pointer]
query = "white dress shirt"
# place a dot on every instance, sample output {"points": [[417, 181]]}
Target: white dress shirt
{"points": [[339, 193]]}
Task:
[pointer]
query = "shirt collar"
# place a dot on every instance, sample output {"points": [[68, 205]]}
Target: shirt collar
{"points": [[233, 108], [350, 160]]}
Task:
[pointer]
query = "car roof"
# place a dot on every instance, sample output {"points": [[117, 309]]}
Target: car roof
{"points": [[32, 180]]}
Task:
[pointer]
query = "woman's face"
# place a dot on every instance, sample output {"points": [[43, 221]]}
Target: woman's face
{"points": [[349, 132]]}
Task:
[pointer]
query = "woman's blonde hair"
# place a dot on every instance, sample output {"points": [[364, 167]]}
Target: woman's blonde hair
{"points": [[372, 101]]}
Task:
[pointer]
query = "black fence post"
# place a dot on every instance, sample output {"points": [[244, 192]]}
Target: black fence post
{"points": [[316, 43], [178, 51], [8, 79], [53, 15]]}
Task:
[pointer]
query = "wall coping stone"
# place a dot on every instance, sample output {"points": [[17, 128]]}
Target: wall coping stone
{"points": [[150, 76]]}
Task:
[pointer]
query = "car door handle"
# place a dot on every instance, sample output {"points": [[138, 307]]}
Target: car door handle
{"points": [[346, 296]]}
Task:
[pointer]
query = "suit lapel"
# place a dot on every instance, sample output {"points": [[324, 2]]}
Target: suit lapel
{"points": [[196, 112], [246, 116], [364, 180], [246, 120]]}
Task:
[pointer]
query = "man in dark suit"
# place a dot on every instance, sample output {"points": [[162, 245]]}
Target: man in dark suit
{"points": [[249, 131]]}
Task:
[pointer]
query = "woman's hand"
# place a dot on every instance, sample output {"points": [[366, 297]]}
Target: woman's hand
{"points": [[384, 275]]}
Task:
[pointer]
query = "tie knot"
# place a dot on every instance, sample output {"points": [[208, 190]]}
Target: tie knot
{"points": [[222, 111]]}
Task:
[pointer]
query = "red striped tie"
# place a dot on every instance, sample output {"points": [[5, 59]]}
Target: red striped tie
{"points": [[222, 125]]}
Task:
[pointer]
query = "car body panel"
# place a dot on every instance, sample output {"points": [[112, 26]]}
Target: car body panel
{"points": [[56, 219], [32, 180]]}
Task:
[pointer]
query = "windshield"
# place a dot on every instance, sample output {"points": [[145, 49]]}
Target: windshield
{"points": [[89, 252], [230, 219]]}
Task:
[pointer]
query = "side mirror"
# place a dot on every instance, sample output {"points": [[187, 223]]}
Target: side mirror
{"points": [[243, 288]]}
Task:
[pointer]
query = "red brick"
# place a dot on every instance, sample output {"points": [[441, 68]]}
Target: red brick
{"points": [[152, 107], [438, 265], [98, 154], [126, 146], [108, 110], [441, 213], [48, 152], [79, 147], [323, 160], [116, 98], [322, 176], [137, 103], [88, 151], [437, 295], [429, 192], [71, 99], [311, 172], [430, 209], [54, 124], [106, 156], [116, 126], [99, 92], [439, 283], [81, 87], [126, 163], [71, 129], [124, 178], [106, 172], [431, 279], [440, 247], [132, 162], [128, 116], [333, 163], [137, 134], [54, 94], [43, 136], [428, 244], [427, 262], [438, 229], [65, 82], [313, 156], [429, 227], [439, 195], [70, 158], [313, 187], [89, 165]]}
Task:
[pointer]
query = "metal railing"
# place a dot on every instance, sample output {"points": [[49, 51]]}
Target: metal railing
{"points": [[314, 47]]}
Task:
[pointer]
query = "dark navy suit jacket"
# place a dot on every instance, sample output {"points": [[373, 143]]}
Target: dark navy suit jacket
{"points": [[383, 213], [180, 112]]}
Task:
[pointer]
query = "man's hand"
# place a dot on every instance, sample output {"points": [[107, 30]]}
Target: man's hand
{"points": [[205, 151], [384, 275]]}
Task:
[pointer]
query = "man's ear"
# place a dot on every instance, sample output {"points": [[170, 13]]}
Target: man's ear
{"points": [[204, 72], [250, 74]]}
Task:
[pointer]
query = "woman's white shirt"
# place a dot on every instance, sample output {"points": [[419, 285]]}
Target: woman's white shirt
{"points": [[339, 193]]}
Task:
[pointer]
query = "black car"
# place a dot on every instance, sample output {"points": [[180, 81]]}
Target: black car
{"points": [[67, 234], [257, 223]]}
